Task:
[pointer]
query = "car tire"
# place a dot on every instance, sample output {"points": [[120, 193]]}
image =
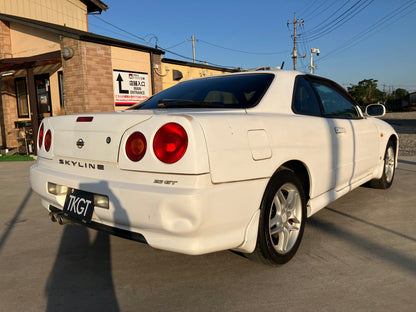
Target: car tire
{"points": [[282, 219], [389, 169]]}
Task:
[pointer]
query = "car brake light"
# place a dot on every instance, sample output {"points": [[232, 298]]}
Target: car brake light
{"points": [[40, 138], [85, 119], [170, 143], [136, 146], [48, 140]]}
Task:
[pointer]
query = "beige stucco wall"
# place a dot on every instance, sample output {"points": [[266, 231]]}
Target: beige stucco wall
{"points": [[187, 72], [70, 13], [131, 60], [27, 41]]}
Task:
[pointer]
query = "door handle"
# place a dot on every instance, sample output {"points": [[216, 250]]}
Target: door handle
{"points": [[340, 130]]}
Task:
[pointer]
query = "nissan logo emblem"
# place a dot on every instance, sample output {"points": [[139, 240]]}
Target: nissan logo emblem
{"points": [[80, 143]]}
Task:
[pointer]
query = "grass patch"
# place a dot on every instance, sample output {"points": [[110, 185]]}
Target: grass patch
{"points": [[16, 158]]}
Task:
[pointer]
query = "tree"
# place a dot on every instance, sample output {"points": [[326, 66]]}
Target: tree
{"points": [[366, 92]]}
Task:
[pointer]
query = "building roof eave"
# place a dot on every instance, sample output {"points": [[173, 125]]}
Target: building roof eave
{"points": [[199, 65], [31, 61], [95, 6]]}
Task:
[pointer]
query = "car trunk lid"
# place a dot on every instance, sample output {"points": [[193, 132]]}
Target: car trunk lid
{"points": [[93, 136]]}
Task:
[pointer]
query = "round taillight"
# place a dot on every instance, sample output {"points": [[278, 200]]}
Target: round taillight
{"points": [[136, 146], [40, 137], [170, 143], [48, 140]]}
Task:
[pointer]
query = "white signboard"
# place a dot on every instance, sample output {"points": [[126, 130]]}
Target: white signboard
{"points": [[130, 87]]}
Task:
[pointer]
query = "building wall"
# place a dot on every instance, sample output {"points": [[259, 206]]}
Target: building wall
{"points": [[70, 13], [9, 110], [5, 41], [88, 77], [188, 72], [131, 60], [157, 79], [5, 49], [27, 41]]}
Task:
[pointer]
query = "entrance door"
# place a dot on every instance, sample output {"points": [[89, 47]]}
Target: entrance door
{"points": [[43, 96]]}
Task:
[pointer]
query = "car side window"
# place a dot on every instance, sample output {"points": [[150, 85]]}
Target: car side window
{"points": [[304, 99], [334, 104]]}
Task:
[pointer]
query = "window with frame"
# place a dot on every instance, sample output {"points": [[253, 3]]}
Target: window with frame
{"points": [[304, 99], [334, 104], [21, 97]]}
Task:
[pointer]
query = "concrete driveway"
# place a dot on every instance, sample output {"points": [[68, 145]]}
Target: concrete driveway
{"points": [[358, 254]]}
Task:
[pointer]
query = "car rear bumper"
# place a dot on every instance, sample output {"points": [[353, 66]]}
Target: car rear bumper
{"points": [[181, 213]]}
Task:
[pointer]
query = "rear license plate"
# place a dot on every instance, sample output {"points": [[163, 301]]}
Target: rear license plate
{"points": [[79, 205]]}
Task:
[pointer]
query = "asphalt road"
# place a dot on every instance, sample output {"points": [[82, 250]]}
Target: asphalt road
{"points": [[358, 254]]}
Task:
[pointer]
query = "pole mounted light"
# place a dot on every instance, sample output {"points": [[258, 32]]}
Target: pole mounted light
{"points": [[313, 67]]}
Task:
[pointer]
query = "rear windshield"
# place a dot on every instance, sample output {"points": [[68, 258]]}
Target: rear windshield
{"points": [[237, 91]]}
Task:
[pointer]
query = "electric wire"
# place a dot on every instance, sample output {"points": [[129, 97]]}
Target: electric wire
{"points": [[178, 44], [312, 12], [349, 14], [121, 29], [161, 48], [318, 27], [380, 24], [241, 51], [305, 50], [120, 34], [307, 8]]}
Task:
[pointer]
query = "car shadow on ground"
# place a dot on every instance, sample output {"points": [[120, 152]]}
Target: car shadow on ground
{"points": [[81, 276], [366, 244], [10, 224]]}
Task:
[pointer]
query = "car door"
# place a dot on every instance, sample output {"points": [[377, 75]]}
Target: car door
{"points": [[366, 140], [340, 114], [326, 142]]}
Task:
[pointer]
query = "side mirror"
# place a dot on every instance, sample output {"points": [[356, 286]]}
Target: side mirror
{"points": [[375, 110]]}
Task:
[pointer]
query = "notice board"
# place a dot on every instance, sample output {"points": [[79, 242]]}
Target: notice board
{"points": [[130, 87]]}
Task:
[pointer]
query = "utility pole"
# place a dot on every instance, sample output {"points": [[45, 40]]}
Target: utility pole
{"points": [[193, 46], [295, 35]]}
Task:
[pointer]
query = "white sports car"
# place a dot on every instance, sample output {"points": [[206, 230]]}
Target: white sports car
{"points": [[227, 162]]}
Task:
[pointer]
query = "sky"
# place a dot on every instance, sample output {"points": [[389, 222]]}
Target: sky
{"points": [[357, 39]]}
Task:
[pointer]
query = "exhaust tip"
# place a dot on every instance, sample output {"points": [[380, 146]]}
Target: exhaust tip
{"points": [[52, 217], [62, 220]]}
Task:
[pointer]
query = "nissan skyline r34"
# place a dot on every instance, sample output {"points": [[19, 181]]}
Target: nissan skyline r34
{"points": [[235, 161]]}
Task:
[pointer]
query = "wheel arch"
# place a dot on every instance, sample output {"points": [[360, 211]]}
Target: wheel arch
{"points": [[395, 140], [302, 172]]}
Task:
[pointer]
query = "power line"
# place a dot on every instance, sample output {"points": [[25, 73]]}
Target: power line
{"points": [[339, 21], [317, 27], [159, 47], [377, 26], [305, 16], [178, 44], [241, 51], [121, 29], [306, 8]]}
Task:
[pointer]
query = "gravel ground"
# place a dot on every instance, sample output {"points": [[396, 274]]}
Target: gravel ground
{"points": [[405, 125]]}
